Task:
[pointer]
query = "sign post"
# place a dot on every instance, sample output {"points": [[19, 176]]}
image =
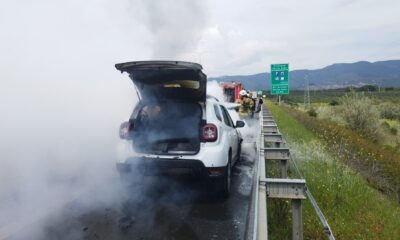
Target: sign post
{"points": [[279, 79]]}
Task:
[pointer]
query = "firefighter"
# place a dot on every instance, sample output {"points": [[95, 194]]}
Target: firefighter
{"points": [[249, 104], [252, 104], [246, 104], [259, 104]]}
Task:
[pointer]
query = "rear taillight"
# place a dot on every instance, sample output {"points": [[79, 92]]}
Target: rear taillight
{"points": [[209, 133], [215, 171], [124, 130]]}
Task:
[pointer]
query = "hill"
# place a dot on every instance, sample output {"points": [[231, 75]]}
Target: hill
{"points": [[382, 73]]}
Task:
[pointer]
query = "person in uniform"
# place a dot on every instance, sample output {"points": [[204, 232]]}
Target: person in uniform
{"points": [[246, 104]]}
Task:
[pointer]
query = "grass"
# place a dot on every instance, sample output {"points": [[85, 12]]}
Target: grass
{"points": [[354, 210], [379, 164], [328, 95], [299, 133]]}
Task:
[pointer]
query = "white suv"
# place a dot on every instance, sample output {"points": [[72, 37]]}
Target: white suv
{"points": [[176, 127]]}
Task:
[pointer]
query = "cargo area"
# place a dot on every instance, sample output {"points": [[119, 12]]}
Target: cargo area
{"points": [[167, 128]]}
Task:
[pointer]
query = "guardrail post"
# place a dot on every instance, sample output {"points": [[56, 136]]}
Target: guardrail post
{"points": [[283, 169], [293, 189], [262, 233], [297, 220]]}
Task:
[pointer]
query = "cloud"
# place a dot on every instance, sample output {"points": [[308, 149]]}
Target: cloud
{"points": [[309, 34]]}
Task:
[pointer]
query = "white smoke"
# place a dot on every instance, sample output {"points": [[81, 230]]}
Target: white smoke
{"points": [[215, 90], [61, 103], [249, 131], [176, 26], [62, 100]]}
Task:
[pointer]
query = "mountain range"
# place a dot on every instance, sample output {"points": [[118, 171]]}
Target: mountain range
{"points": [[339, 75]]}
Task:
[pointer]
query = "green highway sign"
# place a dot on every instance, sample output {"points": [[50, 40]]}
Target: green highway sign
{"points": [[279, 79]]}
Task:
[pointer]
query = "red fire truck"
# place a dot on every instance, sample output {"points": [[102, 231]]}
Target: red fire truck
{"points": [[231, 90]]}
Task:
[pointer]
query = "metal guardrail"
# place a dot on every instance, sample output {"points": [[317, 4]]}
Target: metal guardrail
{"points": [[324, 222], [294, 189], [260, 230], [272, 138], [285, 188]]}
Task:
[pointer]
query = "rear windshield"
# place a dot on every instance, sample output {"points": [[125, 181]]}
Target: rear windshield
{"points": [[168, 127]]}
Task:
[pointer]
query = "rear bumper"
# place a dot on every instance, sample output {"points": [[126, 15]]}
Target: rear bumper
{"points": [[160, 166]]}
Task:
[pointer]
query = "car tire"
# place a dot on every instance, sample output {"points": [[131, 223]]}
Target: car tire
{"points": [[239, 152], [225, 183]]}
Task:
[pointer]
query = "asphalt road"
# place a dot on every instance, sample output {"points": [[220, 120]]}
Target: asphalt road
{"points": [[164, 208], [155, 208]]}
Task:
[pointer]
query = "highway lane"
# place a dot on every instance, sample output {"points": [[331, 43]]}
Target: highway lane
{"points": [[164, 208], [158, 208]]}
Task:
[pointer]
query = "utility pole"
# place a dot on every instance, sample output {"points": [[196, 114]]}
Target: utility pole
{"points": [[307, 93]]}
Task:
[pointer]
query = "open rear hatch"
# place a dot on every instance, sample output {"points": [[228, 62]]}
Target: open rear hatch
{"points": [[167, 79], [169, 115]]}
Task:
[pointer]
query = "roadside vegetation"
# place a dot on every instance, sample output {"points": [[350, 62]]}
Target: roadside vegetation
{"points": [[353, 208], [361, 130], [379, 164], [377, 120], [387, 94]]}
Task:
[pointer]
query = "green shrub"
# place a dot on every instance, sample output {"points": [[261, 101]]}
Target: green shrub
{"points": [[389, 110], [368, 88], [385, 125], [312, 112], [333, 102], [393, 130], [360, 114], [350, 89]]}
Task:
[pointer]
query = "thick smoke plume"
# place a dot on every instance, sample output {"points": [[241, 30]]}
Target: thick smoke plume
{"points": [[61, 103], [61, 100], [176, 26]]}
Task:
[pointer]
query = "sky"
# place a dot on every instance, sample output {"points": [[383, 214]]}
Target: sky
{"points": [[245, 37], [234, 37]]}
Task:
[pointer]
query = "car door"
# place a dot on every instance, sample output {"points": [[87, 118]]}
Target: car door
{"points": [[231, 132]]}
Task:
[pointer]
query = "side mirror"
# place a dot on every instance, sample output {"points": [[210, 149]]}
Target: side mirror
{"points": [[124, 130], [239, 124]]}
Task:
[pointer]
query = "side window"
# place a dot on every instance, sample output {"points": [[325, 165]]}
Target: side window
{"points": [[227, 118], [217, 112], [230, 119]]}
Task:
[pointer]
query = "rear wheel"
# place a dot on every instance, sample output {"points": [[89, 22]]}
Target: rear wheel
{"points": [[239, 152], [225, 183]]}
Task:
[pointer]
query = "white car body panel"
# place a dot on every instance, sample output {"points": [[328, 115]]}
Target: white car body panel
{"points": [[212, 154]]}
